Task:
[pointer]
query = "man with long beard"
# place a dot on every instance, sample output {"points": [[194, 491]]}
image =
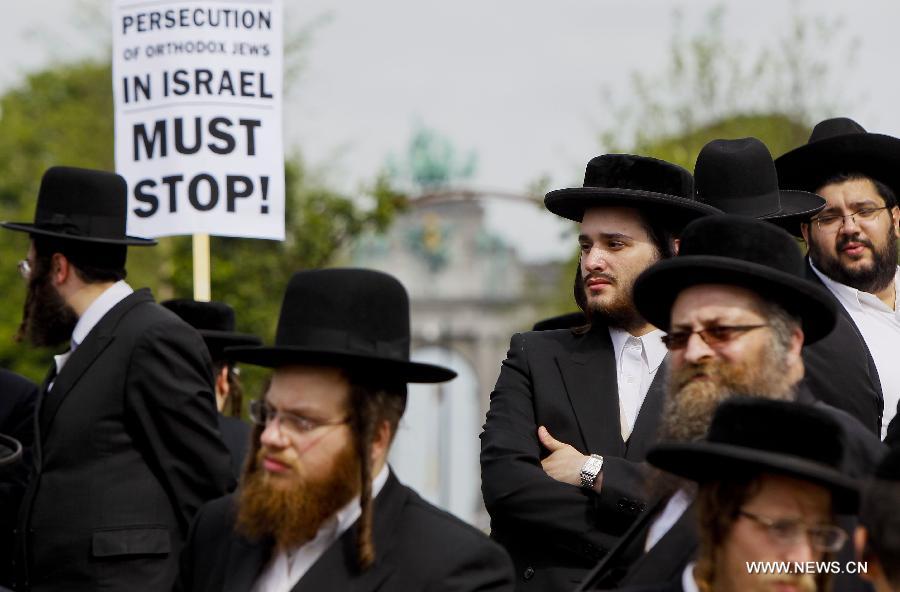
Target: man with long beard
{"points": [[853, 241], [126, 445], [558, 508], [318, 507], [738, 311]]}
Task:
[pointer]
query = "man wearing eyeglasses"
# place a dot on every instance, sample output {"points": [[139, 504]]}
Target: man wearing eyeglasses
{"points": [[318, 507], [853, 241], [766, 498], [738, 311]]}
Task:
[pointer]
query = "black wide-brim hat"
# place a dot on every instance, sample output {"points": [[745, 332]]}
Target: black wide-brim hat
{"points": [[751, 435], [355, 319], [836, 146], [214, 321], [739, 177], [81, 205], [652, 185], [10, 450], [739, 251]]}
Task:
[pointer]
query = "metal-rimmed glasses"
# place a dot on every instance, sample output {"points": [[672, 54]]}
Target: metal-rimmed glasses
{"points": [[262, 414], [832, 222], [712, 336], [787, 531]]}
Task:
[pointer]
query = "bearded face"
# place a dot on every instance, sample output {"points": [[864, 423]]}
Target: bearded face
{"points": [[291, 508], [47, 320]]}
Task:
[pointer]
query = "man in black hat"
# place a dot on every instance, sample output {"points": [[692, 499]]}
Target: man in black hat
{"points": [[214, 321], [853, 241], [769, 483], [574, 411], [739, 177], [738, 311], [126, 444], [318, 508]]}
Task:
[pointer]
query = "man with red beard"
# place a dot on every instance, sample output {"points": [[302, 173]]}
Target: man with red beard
{"points": [[853, 241], [738, 311], [557, 507], [126, 447], [318, 507]]}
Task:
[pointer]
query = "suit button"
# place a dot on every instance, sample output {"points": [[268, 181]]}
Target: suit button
{"points": [[529, 573]]}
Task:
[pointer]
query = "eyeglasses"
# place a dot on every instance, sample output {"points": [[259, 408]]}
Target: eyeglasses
{"points": [[711, 336], [787, 531], [832, 222], [24, 268], [262, 414]]}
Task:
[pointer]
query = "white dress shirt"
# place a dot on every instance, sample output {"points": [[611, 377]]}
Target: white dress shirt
{"points": [[687, 578], [664, 521], [287, 567], [880, 327], [113, 295], [637, 360]]}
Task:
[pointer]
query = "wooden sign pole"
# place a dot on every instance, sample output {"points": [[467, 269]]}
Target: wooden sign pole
{"points": [[202, 291]]}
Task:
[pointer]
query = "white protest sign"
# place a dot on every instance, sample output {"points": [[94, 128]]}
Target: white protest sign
{"points": [[198, 96]]}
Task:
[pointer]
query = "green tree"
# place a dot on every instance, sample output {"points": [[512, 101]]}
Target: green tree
{"points": [[64, 115]]}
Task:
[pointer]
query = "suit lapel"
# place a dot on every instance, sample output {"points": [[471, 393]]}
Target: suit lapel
{"points": [[644, 433], [82, 358], [336, 569], [245, 562], [589, 375]]}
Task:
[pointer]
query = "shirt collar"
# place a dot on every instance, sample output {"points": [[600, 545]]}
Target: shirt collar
{"points": [[687, 578], [654, 350], [98, 309], [850, 295]]}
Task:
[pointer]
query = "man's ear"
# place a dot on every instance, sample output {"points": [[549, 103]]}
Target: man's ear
{"points": [[804, 230], [895, 220], [676, 244], [381, 442], [60, 269]]}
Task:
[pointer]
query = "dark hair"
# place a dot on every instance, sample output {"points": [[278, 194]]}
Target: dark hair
{"points": [[878, 514], [235, 400], [885, 192], [93, 262], [370, 406]]}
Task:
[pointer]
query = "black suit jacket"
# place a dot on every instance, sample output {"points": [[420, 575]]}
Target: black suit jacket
{"points": [[126, 451], [18, 397], [236, 435], [840, 370], [555, 532], [417, 547]]}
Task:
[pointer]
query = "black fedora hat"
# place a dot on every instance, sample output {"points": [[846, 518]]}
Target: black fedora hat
{"points": [[634, 181], [214, 321], [840, 145], [754, 434], [81, 205], [351, 318], [735, 250], [738, 177]]}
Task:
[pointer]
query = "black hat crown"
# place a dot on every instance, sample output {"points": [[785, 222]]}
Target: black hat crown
{"points": [[205, 316], [834, 127], [743, 238], [738, 177], [639, 173], [347, 318], [81, 205]]}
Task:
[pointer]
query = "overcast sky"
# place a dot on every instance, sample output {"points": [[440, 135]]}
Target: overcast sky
{"points": [[516, 81]]}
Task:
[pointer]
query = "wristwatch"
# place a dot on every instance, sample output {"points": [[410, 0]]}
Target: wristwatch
{"points": [[590, 470]]}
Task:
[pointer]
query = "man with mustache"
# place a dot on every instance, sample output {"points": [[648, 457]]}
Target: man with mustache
{"points": [[765, 495], [738, 311], [318, 508], [126, 447], [853, 241], [558, 508]]}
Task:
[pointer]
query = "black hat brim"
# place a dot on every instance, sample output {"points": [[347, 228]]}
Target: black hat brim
{"points": [[875, 155], [571, 203], [710, 461], [656, 289], [32, 229], [10, 450], [217, 341], [391, 368], [797, 207]]}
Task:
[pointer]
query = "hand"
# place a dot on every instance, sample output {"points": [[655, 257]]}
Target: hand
{"points": [[564, 462]]}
